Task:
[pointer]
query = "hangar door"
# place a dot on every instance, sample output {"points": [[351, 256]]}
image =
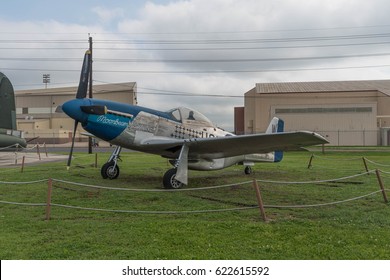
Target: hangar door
{"points": [[341, 124]]}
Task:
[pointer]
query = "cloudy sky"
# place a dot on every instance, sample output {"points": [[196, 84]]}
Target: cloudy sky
{"points": [[198, 53]]}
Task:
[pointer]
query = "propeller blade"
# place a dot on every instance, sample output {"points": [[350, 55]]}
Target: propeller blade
{"points": [[84, 76], [59, 109], [94, 109], [71, 149]]}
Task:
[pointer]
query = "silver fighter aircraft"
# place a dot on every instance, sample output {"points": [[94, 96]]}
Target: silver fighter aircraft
{"points": [[183, 135]]}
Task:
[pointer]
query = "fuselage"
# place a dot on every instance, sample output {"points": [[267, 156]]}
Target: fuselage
{"points": [[129, 126]]}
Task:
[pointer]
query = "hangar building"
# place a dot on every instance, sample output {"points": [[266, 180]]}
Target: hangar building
{"points": [[345, 112], [38, 114]]}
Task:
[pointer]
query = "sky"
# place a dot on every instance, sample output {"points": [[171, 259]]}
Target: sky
{"points": [[196, 53]]}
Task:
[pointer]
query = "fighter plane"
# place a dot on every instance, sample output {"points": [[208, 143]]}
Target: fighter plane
{"points": [[184, 136], [9, 136]]}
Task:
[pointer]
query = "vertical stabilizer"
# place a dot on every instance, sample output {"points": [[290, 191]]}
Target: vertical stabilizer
{"points": [[7, 104], [276, 125]]}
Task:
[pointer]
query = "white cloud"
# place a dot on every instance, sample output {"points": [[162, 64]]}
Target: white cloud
{"points": [[202, 21], [107, 15]]}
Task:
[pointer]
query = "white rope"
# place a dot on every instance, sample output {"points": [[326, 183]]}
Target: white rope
{"points": [[189, 211], [11, 146], [214, 210], [338, 159], [23, 203], [345, 170], [315, 182], [155, 212], [23, 183], [150, 190], [323, 204], [376, 163]]}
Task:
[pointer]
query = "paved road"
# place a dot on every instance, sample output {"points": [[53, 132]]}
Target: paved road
{"points": [[57, 152]]}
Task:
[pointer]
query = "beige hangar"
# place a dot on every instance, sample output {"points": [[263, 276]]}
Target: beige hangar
{"points": [[345, 112]]}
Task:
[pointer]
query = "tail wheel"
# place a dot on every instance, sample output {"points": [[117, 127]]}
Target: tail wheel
{"points": [[169, 180], [110, 170], [248, 170]]}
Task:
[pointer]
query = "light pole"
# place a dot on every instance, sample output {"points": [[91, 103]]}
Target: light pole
{"points": [[46, 79]]}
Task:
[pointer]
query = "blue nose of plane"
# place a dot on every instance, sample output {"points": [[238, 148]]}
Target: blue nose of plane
{"points": [[73, 109]]}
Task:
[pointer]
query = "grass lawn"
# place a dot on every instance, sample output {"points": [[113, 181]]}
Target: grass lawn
{"points": [[358, 229]]}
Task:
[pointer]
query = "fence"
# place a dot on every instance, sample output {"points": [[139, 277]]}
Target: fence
{"points": [[258, 193]]}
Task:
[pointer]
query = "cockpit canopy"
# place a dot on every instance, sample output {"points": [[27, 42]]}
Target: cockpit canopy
{"points": [[187, 115]]}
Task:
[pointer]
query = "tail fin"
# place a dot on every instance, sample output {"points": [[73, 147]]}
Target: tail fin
{"points": [[276, 125], [7, 104]]}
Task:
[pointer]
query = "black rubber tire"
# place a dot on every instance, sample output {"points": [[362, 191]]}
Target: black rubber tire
{"points": [[248, 170], [109, 171], [169, 180]]}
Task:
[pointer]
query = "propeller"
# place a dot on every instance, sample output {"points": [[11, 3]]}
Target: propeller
{"points": [[84, 76], [71, 149], [81, 94]]}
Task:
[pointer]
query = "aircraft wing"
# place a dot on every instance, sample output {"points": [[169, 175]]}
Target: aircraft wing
{"points": [[233, 145]]}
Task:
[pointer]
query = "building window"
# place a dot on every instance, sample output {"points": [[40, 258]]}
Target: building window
{"points": [[25, 110]]}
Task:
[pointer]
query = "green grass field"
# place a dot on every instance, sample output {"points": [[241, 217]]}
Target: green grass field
{"points": [[358, 229]]}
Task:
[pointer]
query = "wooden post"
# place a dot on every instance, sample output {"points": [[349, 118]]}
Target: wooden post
{"points": [[96, 160], [310, 161], [48, 205], [381, 185], [38, 152], [259, 200], [16, 154], [44, 146], [365, 165], [23, 159]]}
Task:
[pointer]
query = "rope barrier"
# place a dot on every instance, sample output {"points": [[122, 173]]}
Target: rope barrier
{"points": [[316, 182], [385, 172], [376, 163], [21, 149], [193, 211], [49, 204], [323, 204], [156, 212], [11, 146], [22, 203], [24, 183], [150, 190], [345, 170], [193, 189], [338, 159]]}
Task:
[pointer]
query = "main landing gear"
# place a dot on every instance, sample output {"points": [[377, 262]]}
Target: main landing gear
{"points": [[110, 169], [169, 180]]}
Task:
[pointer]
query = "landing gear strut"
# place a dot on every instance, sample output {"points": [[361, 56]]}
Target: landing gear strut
{"points": [[110, 169]]}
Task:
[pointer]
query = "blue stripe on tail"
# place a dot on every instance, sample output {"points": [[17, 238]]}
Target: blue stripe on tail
{"points": [[278, 155]]}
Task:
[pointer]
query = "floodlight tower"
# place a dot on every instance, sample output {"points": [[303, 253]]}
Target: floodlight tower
{"points": [[46, 79]]}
